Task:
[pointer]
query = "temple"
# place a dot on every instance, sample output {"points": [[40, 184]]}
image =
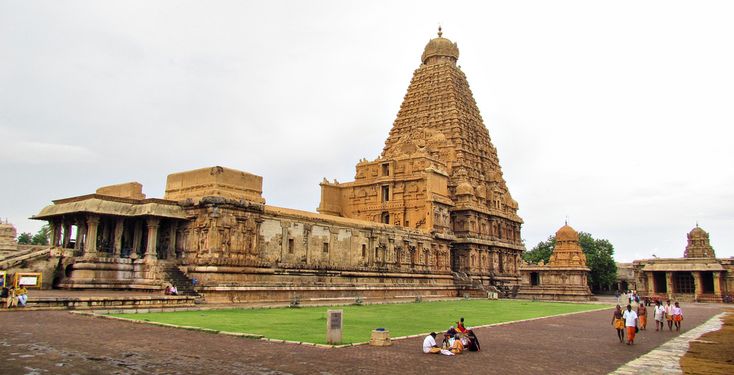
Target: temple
{"points": [[698, 276], [432, 216], [439, 173], [565, 277]]}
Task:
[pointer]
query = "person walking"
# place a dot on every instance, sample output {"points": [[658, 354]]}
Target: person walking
{"points": [[630, 322], [659, 316], [618, 323], [642, 316], [677, 316], [669, 315]]}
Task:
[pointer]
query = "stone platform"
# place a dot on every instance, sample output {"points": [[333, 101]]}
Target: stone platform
{"points": [[94, 300]]}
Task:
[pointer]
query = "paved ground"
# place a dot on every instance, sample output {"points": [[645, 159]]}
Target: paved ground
{"points": [[53, 342]]}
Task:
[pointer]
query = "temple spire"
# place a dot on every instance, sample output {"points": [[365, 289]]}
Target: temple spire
{"points": [[440, 33]]}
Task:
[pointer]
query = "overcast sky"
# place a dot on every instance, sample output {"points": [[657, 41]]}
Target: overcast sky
{"points": [[618, 114]]}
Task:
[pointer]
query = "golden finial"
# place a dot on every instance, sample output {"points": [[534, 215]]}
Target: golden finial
{"points": [[439, 31]]}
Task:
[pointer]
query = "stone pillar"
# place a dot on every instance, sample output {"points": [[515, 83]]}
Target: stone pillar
{"points": [[717, 283], [284, 225], [650, 283], [698, 286], [669, 283], [150, 248], [55, 229], [172, 240], [90, 248], [67, 235], [117, 245], [81, 228], [137, 237]]}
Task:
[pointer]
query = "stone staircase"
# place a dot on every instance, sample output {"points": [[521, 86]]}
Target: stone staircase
{"points": [[469, 287], [16, 258], [171, 273]]}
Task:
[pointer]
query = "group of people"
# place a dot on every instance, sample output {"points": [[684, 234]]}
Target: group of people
{"points": [[171, 290], [634, 318], [14, 296], [456, 340]]}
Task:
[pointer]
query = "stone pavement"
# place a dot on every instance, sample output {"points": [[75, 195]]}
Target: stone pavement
{"points": [[666, 358], [54, 342]]}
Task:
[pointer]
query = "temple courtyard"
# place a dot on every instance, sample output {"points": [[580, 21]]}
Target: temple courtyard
{"points": [[59, 342]]}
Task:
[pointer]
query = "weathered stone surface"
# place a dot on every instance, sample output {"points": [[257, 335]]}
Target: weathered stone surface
{"points": [[216, 182], [7, 237]]}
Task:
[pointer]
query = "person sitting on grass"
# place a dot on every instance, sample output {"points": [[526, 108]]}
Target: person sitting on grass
{"points": [[473, 341], [429, 344], [460, 326], [457, 347]]}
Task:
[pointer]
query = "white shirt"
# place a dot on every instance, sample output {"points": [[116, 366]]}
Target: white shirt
{"points": [[677, 311], [428, 343], [630, 318], [659, 312]]}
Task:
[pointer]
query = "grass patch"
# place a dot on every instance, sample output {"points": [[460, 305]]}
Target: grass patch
{"points": [[308, 324]]}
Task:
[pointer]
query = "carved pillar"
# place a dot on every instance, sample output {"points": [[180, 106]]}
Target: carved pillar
{"points": [[650, 283], [90, 248], [67, 235], [698, 286], [117, 244], [150, 248], [137, 237], [55, 228], [284, 225], [172, 229], [81, 230], [717, 283], [669, 283]]}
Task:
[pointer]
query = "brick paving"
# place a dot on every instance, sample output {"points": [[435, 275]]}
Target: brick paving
{"points": [[54, 342]]}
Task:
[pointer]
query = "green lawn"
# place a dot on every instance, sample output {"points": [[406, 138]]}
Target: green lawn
{"points": [[308, 324]]}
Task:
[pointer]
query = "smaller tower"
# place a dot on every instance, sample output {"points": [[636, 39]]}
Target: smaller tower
{"points": [[567, 252], [698, 244]]}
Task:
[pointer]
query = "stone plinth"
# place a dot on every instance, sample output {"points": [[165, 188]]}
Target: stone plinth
{"points": [[380, 338], [130, 190], [214, 182]]}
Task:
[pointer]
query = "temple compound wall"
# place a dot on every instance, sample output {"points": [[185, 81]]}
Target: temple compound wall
{"points": [[564, 278], [698, 276]]}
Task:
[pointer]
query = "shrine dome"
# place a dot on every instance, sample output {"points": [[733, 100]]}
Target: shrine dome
{"points": [[566, 233], [440, 48]]}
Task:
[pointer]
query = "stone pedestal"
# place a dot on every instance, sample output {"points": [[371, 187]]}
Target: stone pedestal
{"points": [[334, 327], [380, 338]]}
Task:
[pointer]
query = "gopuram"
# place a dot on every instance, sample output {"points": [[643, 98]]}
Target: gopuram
{"points": [[698, 276], [432, 216], [564, 278]]}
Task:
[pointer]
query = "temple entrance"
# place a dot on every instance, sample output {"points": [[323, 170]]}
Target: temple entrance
{"points": [[707, 282], [683, 283], [661, 285], [534, 279]]}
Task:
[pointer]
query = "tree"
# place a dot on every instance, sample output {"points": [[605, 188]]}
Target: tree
{"points": [[599, 258], [25, 238], [541, 251], [41, 238]]}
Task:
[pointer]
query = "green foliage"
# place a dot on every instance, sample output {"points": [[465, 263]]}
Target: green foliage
{"points": [[541, 251], [599, 258], [41, 238], [308, 324], [25, 238]]}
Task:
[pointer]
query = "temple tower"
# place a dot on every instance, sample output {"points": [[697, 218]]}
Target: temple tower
{"points": [[698, 244], [439, 173], [567, 252]]}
